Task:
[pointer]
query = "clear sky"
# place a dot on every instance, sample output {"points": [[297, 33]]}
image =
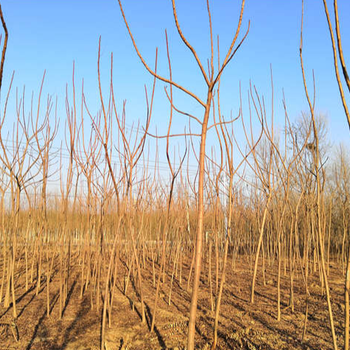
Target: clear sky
{"points": [[49, 35]]}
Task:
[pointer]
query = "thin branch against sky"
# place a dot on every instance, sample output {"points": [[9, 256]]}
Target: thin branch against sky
{"points": [[51, 35]]}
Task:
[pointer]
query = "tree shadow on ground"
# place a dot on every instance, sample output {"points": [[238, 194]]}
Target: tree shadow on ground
{"points": [[41, 319], [73, 327]]}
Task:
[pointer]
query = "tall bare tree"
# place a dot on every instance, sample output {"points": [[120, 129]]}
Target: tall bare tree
{"points": [[211, 78]]}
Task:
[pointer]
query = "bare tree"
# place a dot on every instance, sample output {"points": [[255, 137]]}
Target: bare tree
{"points": [[317, 166], [211, 78]]}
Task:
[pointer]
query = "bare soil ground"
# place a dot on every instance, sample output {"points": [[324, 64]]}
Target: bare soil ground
{"points": [[241, 325]]}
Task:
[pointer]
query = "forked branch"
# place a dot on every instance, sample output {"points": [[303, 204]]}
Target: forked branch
{"points": [[150, 70]]}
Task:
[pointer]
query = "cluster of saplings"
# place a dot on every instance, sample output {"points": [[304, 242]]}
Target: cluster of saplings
{"points": [[103, 199]]}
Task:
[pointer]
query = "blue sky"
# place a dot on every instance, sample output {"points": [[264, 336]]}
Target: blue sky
{"points": [[49, 35]]}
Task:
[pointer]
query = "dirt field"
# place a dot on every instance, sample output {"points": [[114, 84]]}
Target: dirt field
{"points": [[241, 326]]}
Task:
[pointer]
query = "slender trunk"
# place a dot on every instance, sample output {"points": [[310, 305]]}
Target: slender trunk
{"points": [[279, 277], [347, 290], [261, 234], [199, 241], [219, 296]]}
